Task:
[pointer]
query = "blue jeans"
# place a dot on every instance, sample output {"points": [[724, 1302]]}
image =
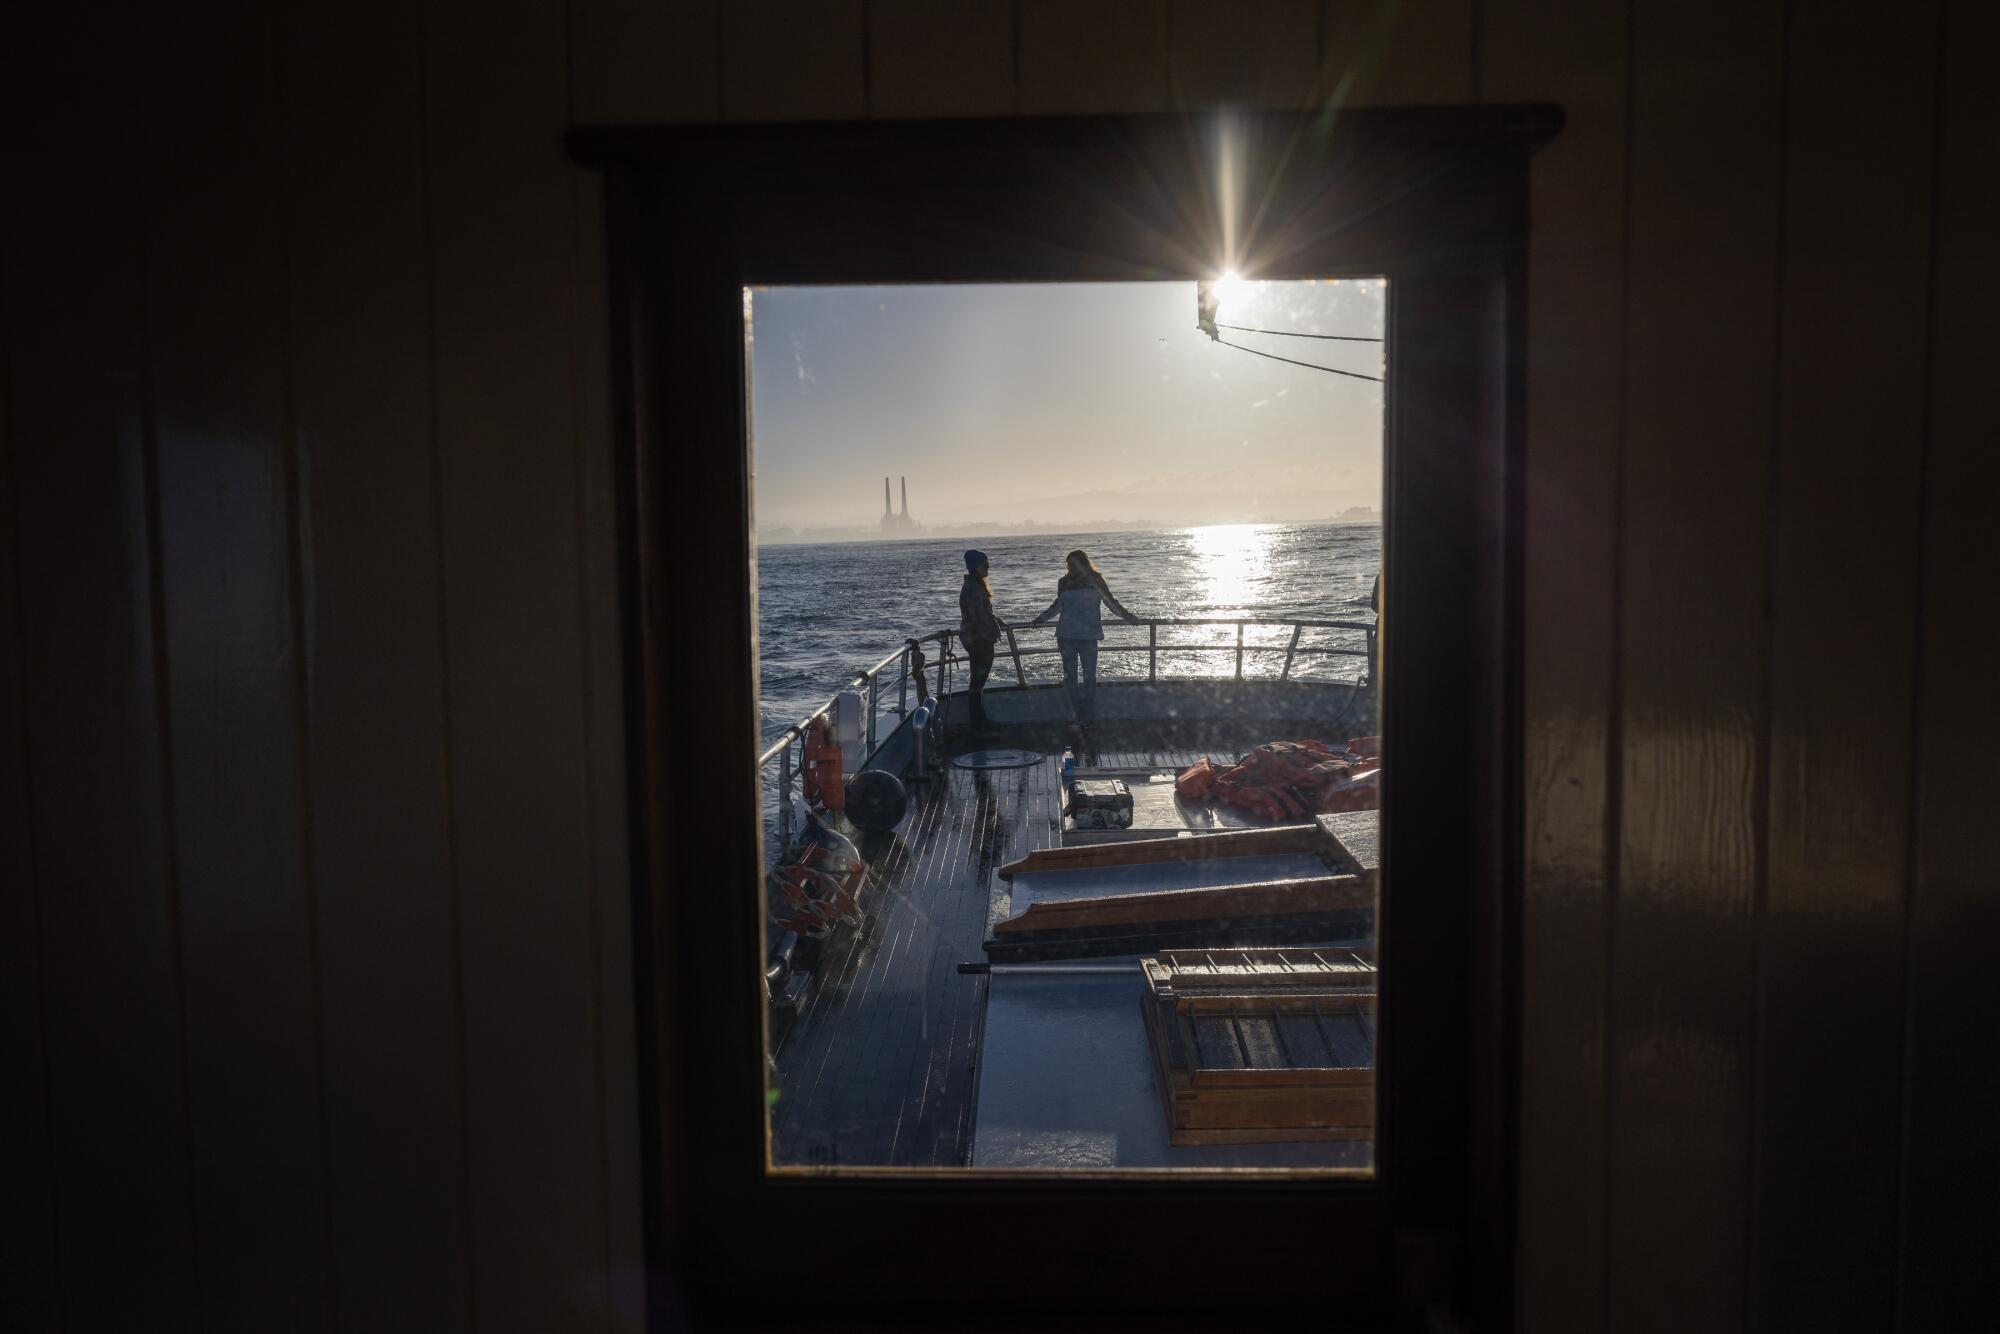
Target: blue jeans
{"points": [[1081, 693]]}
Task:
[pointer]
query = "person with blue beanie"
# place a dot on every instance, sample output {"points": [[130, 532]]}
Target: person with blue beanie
{"points": [[979, 629]]}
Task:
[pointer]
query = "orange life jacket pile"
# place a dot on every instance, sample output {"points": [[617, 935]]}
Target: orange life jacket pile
{"points": [[821, 881], [1289, 780]]}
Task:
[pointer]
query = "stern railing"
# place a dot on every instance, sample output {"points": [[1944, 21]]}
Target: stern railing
{"points": [[895, 667]]}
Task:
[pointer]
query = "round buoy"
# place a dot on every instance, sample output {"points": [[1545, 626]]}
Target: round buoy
{"points": [[875, 801]]}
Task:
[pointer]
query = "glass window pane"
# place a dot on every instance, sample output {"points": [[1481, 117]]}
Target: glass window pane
{"points": [[1068, 731]]}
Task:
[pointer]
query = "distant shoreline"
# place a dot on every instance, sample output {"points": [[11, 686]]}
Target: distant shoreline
{"points": [[813, 537]]}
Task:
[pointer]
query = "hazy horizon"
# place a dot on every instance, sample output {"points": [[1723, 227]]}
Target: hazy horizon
{"points": [[953, 531], [1068, 405]]}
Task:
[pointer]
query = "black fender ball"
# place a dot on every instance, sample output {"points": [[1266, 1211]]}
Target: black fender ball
{"points": [[876, 801]]}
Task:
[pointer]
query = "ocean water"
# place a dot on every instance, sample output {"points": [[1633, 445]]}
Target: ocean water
{"points": [[826, 612]]}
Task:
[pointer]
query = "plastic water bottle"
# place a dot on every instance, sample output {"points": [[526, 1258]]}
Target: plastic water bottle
{"points": [[1068, 768]]}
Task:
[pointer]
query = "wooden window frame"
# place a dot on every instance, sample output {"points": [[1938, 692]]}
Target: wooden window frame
{"points": [[1436, 200]]}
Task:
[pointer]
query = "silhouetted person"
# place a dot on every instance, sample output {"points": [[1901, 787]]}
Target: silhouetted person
{"points": [[1375, 640], [1081, 596], [978, 629]]}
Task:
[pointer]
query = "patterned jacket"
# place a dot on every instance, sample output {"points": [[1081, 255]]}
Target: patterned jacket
{"points": [[1080, 605]]}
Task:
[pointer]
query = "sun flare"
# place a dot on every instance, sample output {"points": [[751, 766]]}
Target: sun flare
{"points": [[1230, 289]]}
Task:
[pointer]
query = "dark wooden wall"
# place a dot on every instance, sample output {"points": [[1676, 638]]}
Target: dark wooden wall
{"points": [[317, 1009]]}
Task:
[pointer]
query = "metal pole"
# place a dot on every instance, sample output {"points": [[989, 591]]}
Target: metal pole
{"points": [[944, 651], [1298, 628], [903, 686], [1239, 650], [785, 795], [1045, 969], [1152, 651], [874, 690], [1020, 677]]}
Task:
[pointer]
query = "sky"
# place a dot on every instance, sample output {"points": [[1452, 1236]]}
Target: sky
{"points": [[1062, 404]]}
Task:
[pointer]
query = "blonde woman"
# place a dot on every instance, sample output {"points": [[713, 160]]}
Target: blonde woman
{"points": [[1081, 596]]}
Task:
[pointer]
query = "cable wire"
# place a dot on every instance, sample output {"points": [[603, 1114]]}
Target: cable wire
{"points": [[1353, 375], [1288, 333]]}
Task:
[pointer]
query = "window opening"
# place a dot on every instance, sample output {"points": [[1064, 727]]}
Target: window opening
{"points": [[1092, 697]]}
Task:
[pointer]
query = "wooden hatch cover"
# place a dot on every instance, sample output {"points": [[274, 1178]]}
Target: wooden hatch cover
{"points": [[1319, 837], [1262, 1046], [1266, 913]]}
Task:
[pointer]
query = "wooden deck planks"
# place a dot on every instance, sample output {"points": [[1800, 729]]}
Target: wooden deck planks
{"points": [[878, 1068]]}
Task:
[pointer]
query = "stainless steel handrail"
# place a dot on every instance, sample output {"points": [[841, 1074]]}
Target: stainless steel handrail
{"points": [[869, 681], [1153, 648]]}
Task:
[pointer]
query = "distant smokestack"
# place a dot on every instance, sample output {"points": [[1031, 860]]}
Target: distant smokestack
{"points": [[886, 511], [906, 497]]}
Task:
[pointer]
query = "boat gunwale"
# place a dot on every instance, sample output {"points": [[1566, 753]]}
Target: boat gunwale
{"points": [[943, 638]]}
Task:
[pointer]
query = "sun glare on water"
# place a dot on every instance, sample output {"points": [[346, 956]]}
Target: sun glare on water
{"points": [[1235, 563]]}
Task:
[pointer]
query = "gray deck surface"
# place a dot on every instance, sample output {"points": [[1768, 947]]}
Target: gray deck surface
{"points": [[1066, 1073], [1068, 1082], [878, 1066]]}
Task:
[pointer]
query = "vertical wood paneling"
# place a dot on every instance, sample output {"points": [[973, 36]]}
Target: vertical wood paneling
{"points": [[941, 57], [1260, 53], [74, 300], [639, 61], [28, 1263], [1700, 335], [1081, 56], [1397, 52], [1951, 1224], [382, 865], [1572, 52], [214, 219], [1851, 398], [504, 257], [794, 59]]}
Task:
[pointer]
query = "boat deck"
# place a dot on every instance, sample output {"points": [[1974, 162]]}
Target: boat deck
{"points": [[878, 1066]]}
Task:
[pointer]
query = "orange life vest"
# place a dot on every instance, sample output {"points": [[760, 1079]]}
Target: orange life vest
{"points": [[1286, 780], [821, 882]]}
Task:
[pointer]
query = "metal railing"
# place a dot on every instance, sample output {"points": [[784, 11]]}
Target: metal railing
{"points": [[896, 667], [870, 684], [1154, 649]]}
